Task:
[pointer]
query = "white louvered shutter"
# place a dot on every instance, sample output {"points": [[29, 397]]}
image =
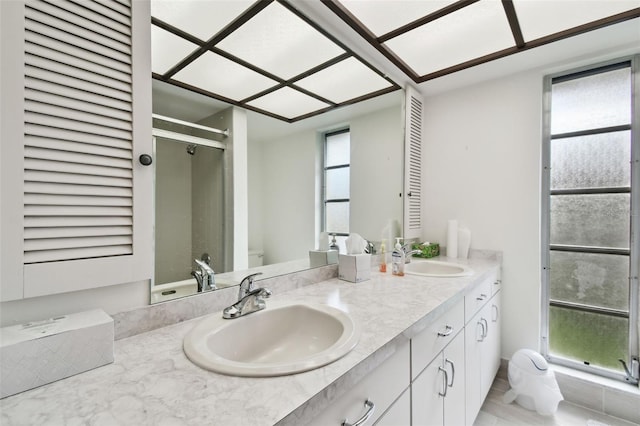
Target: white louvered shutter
{"points": [[80, 164], [413, 165]]}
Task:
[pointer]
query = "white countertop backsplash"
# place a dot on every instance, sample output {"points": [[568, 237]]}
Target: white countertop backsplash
{"points": [[152, 382]]}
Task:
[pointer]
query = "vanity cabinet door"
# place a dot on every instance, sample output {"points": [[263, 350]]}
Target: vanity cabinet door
{"points": [[454, 402], [438, 393], [382, 387], [474, 335], [427, 407], [482, 348], [77, 128], [491, 347]]}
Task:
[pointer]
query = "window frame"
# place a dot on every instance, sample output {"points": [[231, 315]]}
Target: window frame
{"points": [[633, 62], [325, 168]]}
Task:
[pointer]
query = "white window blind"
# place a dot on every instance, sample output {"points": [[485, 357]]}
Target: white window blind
{"points": [[413, 165], [78, 168]]}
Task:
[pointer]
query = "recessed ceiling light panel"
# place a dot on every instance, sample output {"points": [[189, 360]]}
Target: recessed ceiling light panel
{"points": [[221, 76], [346, 80], [278, 41], [381, 17], [201, 18], [469, 33], [542, 18], [167, 49], [288, 103]]}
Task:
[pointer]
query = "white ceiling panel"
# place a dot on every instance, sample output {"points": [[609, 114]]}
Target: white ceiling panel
{"points": [[541, 18], [383, 16], [344, 81], [219, 75], [200, 18], [288, 103], [469, 33], [278, 41], [167, 49]]}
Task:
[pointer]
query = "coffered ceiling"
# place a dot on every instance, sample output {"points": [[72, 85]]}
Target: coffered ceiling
{"points": [[269, 57], [427, 39], [264, 56]]}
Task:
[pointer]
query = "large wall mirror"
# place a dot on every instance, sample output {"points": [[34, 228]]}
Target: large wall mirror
{"points": [[210, 152]]}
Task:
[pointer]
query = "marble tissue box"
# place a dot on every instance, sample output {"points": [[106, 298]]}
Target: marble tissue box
{"points": [[354, 267], [42, 352]]}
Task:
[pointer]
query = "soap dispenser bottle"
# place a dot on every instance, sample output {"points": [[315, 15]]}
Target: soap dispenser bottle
{"points": [[334, 243], [382, 256], [397, 259]]}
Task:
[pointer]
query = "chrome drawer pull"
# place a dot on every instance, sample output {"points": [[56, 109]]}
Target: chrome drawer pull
{"points": [[453, 371], [445, 382], [367, 415], [447, 331]]}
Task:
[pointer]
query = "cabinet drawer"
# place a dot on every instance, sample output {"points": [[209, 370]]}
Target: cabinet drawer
{"points": [[382, 386], [429, 342], [478, 297]]}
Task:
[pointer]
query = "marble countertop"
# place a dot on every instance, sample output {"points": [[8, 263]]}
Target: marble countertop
{"points": [[152, 382]]}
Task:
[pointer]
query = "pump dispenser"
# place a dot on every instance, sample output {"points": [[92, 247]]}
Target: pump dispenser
{"points": [[382, 256], [397, 259]]}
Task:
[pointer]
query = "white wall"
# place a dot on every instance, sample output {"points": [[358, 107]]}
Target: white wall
{"points": [[286, 187], [284, 202], [481, 163], [377, 153]]}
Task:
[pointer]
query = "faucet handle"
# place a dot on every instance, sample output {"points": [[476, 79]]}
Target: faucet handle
{"points": [[204, 266], [246, 285]]}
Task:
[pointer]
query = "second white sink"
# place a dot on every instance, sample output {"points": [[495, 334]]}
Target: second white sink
{"points": [[285, 338], [436, 268]]}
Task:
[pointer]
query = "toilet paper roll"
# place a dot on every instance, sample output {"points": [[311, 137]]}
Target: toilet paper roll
{"points": [[452, 239]]}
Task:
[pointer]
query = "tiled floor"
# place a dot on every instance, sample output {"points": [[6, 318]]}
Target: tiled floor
{"points": [[495, 413]]}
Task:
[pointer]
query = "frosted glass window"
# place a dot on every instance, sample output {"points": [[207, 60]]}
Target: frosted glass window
{"points": [[167, 50], [224, 77], [590, 279], [337, 183], [600, 220], [588, 337], [338, 151], [344, 81], [469, 33], [382, 17], [541, 18], [600, 100], [337, 217], [278, 41], [288, 103], [203, 19], [593, 161]]}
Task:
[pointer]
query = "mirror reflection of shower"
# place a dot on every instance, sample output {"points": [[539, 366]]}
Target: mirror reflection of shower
{"points": [[189, 201]]}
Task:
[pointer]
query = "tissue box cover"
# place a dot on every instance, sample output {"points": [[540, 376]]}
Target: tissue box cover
{"points": [[354, 267], [42, 352], [322, 258], [427, 250]]}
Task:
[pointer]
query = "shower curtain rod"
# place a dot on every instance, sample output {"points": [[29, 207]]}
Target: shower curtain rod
{"points": [[224, 132]]}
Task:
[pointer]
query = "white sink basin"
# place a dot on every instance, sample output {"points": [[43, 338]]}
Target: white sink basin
{"points": [[436, 268], [284, 338]]}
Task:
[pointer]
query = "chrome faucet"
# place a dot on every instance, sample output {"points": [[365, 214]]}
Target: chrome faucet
{"points": [[204, 275], [250, 299], [408, 253]]}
